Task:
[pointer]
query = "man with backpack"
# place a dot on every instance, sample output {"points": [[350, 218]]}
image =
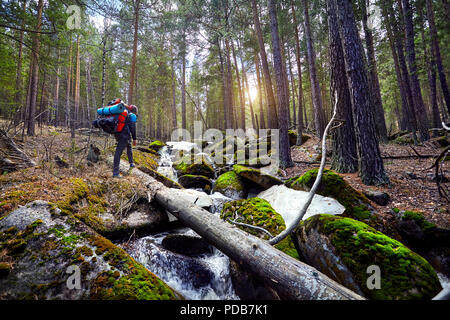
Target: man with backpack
{"points": [[119, 119], [126, 129]]}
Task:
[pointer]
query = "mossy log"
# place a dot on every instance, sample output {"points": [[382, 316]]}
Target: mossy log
{"points": [[291, 278]]}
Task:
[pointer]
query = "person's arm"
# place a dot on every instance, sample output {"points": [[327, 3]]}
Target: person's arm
{"points": [[133, 128]]}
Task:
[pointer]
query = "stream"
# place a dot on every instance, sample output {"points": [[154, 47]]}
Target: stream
{"points": [[204, 276]]}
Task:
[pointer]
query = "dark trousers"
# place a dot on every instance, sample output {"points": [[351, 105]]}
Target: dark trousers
{"points": [[122, 143]]}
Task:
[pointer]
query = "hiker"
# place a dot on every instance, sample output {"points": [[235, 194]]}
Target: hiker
{"points": [[126, 129]]}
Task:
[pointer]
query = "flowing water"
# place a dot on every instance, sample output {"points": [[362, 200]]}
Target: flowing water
{"points": [[202, 277]]}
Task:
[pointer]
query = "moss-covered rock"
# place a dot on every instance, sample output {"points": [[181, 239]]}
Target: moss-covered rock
{"points": [[293, 137], [258, 212], [424, 238], [195, 166], [230, 185], [169, 183], [404, 140], [257, 176], [156, 145], [356, 204], [344, 248], [51, 243], [195, 181], [143, 159]]}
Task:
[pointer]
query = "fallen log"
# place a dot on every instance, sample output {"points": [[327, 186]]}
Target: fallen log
{"points": [[11, 156], [292, 279]]}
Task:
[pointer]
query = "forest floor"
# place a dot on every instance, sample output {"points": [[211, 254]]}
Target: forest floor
{"points": [[412, 186]]}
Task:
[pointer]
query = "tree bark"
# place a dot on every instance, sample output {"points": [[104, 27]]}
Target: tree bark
{"points": [[419, 107], [272, 120], [345, 156], [290, 278], [371, 168], [262, 124], [319, 115], [183, 85], [299, 71], [380, 122], [35, 72], [436, 52], [283, 101], [240, 90], [76, 109], [19, 85], [135, 44]]}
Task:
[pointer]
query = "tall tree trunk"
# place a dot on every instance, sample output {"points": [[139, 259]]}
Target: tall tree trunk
{"points": [[410, 114], [272, 120], [224, 87], [262, 124], [135, 44], [374, 83], [183, 85], [430, 62], [76, 109], [240, 90], [68, 118], [104, 65], [371, 168], [319, 115], [345, 155], [174, 101], [56, 97], [247, 89], [403, 117], [283, 101], [419, 107], [35, 72], [19, 85], [231, 119], [300, 82], [436, 52]]}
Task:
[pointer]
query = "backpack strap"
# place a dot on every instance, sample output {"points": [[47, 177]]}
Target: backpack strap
{"points": [[122, 117]]}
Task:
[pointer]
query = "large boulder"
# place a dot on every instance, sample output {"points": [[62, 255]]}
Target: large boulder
{"points": [[356, 204], [424, 238], [156, 145], [258, 212], [143, 159], [293, 137], [230, 185], [191, 196], [44, 251], [195, 165], [257, 176], [169, 183], [187, 245], [288, 202], [118, 208], [195, 181], [344, 249]]}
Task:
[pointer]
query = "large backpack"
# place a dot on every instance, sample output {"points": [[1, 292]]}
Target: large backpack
{"points": [[112, 124]]}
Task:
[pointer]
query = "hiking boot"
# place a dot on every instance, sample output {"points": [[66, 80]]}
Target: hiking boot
{"points": [[132, 166]]}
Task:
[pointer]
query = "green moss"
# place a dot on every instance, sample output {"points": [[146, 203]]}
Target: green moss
{"points": [[360, 246], [420, 220], [156, 145], [258, 212], [137, 282], [255, 175], [333, 185], [194, 166], [143, 159], [229, 180], [77, 190]]}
